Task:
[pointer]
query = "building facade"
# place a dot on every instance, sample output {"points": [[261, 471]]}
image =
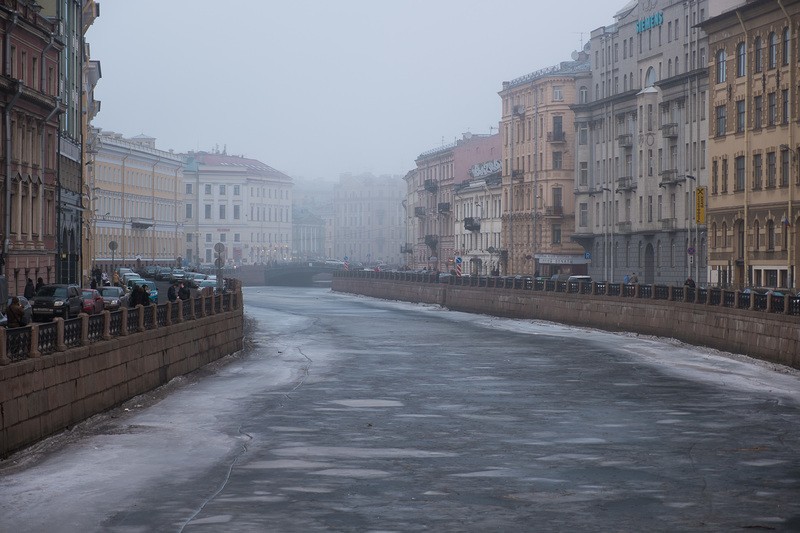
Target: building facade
{"points": [[368, 222], [242, 203], [478, 210], [753, 204], [91, 107], [308, 235], [136, 199], [642, 143], [29, 91], [538, 170]]}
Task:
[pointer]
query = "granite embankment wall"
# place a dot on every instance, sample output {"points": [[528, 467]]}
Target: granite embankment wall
{"points": [[43, 395], [767, 336]]}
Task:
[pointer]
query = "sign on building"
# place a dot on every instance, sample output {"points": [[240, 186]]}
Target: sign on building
{"points": [[700, 205]]}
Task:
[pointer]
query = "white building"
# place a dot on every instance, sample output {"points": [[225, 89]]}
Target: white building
{"points": [[242, 203]]}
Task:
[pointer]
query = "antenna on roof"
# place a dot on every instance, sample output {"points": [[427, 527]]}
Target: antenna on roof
{"points": [[581, 34]]}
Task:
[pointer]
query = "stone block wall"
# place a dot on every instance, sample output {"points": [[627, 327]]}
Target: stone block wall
{"points": [[44, 395]]}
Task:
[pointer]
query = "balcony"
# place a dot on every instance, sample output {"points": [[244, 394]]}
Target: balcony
{"points": [[554, 211], [669, 224], [625, 140], [670, 131], [472, 224], [419, 212], [444, 207], [668, 177], [556, 136], [626, 183], [142, 223], [430, 186], [406, 249], [432, 241], [518, 174], [624, 227]]}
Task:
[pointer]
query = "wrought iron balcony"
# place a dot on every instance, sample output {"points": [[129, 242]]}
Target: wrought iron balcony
{"points": [[444, 207], [432, 241], [669, 131], [668, 177], [431, 186], [626, 183], [556, 136], [419, 212], [142, 223], [472, 224], [669, 224], [554, 211], [625, 140]]}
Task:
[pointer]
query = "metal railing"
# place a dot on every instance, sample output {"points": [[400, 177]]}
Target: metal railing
{"points": [[61, 335]]}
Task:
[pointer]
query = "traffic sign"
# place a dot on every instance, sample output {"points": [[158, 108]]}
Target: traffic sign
{"points": [[587, 255], [690, 250], [112, 245], [459, 260], [220, 262], [219, 247]]}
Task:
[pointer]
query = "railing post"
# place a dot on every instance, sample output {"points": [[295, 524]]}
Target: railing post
{"points": [[786, 309], [752, 306], [106, 325], [141, 317], [4, 360], [84, 328], [169, 313], [685, 295], [60, 346], [736, 299], [180, 310], [34, 351], [636, 290], [670, 296], [203, 304], [653, 291], [123, 327], [769, 302]]}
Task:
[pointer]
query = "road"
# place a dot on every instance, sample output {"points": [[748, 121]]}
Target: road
{"points": [[352, 414]]}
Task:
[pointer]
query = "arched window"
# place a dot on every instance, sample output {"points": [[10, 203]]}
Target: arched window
{"points": [[650, 78], [757, 54], [786, 44], [584, 94], [658, 254], [741, 60], [756, 236], [770, 236], [669, 68], [772, 52], [625, 82], [721, 76], [724, 235]]}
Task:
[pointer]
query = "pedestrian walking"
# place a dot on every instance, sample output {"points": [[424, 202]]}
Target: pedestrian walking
{"points": [[184, 293], [30, 290], [39, 284], [172, 293]]}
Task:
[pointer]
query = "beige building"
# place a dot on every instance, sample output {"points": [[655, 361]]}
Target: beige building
{"points": [[538, 170], [479, 210], [753, 205], [136, 199]]}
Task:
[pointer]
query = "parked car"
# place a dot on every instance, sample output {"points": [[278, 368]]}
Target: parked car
{"points": [[93, 303], [212, 283], [579, 279], [26, 307], [149, 271], [57, 299], [178, 274], [193, 279], [114, 297], [162, 274]]}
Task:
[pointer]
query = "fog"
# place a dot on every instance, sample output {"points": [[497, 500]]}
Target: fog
{"points": [[315, 88]]}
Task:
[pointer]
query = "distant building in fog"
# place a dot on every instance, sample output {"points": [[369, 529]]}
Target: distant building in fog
{"points": [[242, 203], [308, 234], [368, 219]]}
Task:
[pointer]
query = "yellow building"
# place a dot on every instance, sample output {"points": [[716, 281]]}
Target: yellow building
{"points": [[754, 136], [538, 134], [136, 197]]}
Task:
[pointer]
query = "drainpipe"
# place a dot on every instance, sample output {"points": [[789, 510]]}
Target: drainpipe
{"points": [[7, 121]]}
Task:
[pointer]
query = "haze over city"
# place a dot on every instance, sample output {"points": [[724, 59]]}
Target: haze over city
{"points": [[317, 88]]}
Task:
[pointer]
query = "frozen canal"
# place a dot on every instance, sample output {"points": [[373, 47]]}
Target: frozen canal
{"points": [[352, 414]]}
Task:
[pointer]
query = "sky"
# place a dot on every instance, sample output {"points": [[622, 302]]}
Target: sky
{"points": [[317, 88]]}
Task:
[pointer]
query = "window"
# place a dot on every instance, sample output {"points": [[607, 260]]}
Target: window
{"points": [[188, 237], [770, 235], [650, 77], [236, 237], [236, 212], [720, 66], [724, 174], [714, 177], [739, 116], [207, 211], [223, 237], [758, 111], [208, 237], [721, 120], [583, 135], [583, 95], [222, 212], [649, 208], [785, 106], [756, 235], [741, 60], [757, 55], [583, 215], [208, 189], [222, 190], [236, 190], [771, 169], [772, 109], [557, 160], [556, 234], [188, 211], [188, 188], [584, 175], [772, 51], [758, 171], [558, 93], [739, 163], [786, 43]]}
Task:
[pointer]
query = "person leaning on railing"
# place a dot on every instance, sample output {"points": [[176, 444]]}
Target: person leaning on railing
{"points": [[16, 315]]}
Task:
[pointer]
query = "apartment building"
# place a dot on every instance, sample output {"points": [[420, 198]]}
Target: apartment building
{"points": [[753, 204], [643, 142], [539, 167]]}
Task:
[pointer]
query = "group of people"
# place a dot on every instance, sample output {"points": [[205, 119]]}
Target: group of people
{"points": [[178, 290], [140, 295]]}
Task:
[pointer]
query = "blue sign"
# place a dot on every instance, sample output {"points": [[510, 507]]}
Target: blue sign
{"points": [[587, 255], [458, 260], [650, 22]]}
